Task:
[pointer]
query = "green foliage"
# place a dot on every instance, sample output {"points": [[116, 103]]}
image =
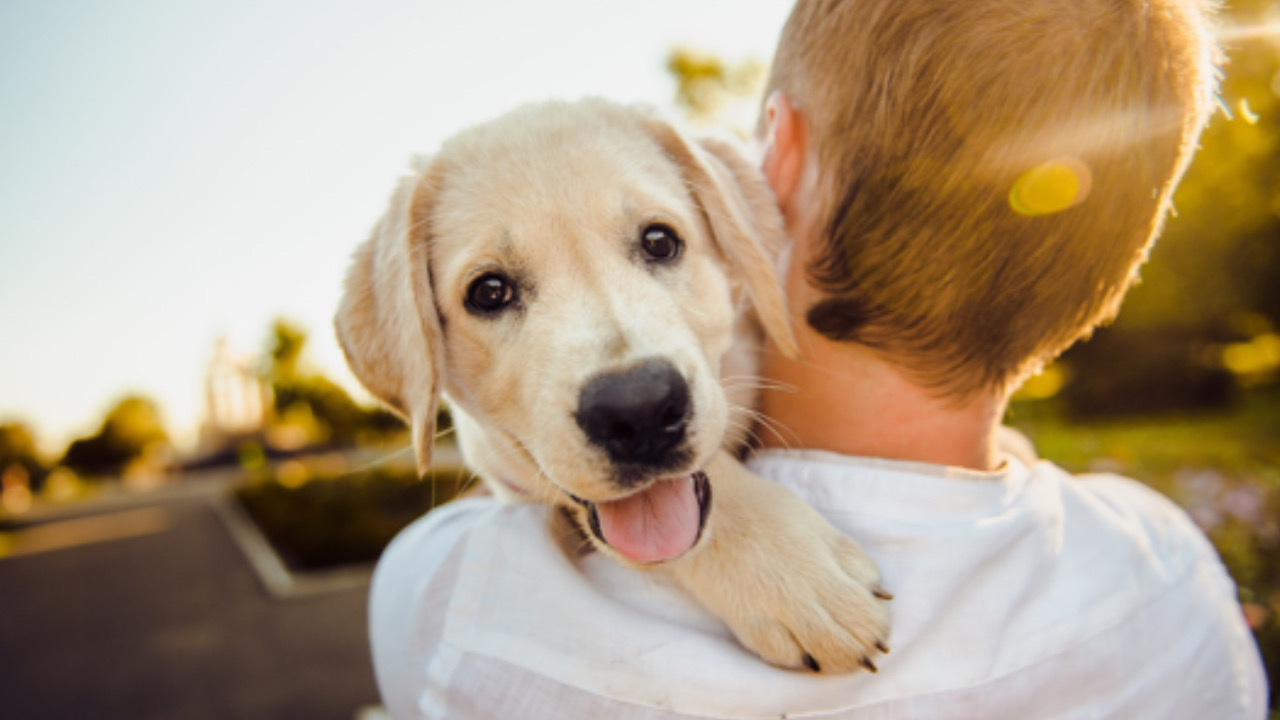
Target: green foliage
{"points": [[315, 407], [287, 342], [18, 447], [1137, 371], [713, 91], [131, 431], [332, 520], [1219, 255]]}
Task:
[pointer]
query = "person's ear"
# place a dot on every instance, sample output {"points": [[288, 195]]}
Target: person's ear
{"points": [[785, 150]]}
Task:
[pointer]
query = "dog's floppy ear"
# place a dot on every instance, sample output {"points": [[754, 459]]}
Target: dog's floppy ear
{"points": [[744, 218], [387, 322]]}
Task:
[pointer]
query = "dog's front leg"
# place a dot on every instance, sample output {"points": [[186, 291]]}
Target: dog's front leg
{"points": [[790, 586]]}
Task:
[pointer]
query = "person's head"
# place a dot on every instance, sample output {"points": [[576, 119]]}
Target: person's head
{"points": [[989, 173]]}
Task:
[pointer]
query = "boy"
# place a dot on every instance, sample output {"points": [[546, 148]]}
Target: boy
{"points": [[970, 186]]}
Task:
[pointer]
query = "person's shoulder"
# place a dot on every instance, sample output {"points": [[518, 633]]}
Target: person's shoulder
{"points": [[429, 542], [423, 576], [435, 533], [425, 563], [1128, 521], [1198, 619], [1131, 506]]}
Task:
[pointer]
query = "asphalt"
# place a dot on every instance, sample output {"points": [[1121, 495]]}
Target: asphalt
{"points": [[154, 611]]}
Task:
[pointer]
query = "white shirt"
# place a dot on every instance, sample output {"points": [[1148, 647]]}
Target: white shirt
{"points": [[1026, 593]]}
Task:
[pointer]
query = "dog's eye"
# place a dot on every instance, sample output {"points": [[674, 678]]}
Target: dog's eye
{"points": [[489, 293], [660, 243]]}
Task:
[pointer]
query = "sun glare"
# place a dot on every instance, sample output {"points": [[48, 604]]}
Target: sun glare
{"points": [[1259, 31], [1051, 187]]}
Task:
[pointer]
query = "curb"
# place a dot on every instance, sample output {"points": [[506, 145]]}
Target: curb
{"points": [[275, 577]]}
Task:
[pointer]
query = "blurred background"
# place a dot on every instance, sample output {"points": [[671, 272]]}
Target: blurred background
{"points": [[192, 486]]}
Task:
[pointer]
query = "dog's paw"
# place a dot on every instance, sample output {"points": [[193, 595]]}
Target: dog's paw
{"points": [[792, 588], [825, 611]]}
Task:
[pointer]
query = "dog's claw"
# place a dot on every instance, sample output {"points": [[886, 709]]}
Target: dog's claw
{"points": [[810, 663], [870, 666], [882, 647], [882, 593]]}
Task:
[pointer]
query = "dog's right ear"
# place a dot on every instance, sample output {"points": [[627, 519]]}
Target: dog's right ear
{"points": [[387, 323], [744, 219]]}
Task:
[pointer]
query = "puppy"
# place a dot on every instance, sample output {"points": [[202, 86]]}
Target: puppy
{"points": [[589, 288]]}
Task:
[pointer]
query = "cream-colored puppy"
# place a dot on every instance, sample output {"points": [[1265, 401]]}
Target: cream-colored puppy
{"points": [[586, 287]]}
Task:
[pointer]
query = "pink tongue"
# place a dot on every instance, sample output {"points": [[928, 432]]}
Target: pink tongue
{"points": [[655, 525]]}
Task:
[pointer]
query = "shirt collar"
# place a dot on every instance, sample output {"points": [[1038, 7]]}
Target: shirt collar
{"points": [[900, 489]]}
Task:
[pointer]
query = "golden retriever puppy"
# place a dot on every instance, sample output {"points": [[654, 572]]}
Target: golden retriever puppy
{"points": [[588, 288]]}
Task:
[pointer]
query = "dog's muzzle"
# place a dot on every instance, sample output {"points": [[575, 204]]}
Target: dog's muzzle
{"points": [[639, 417]]}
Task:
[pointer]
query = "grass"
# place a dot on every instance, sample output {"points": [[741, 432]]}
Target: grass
{"points": [[1242, 443]]}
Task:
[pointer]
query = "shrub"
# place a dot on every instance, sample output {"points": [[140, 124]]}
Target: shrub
{"points": [[337, 519]]}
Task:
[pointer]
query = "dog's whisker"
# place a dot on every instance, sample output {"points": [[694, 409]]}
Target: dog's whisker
{"points": [[752, 437], [769, 423], [545, 492], [777, 429], [473, 477], [756, 382], [748, 433], [759, 386], [747, 430], [382, 460]]}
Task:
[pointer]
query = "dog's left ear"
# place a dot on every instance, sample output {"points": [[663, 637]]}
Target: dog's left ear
{"points": [[387, 323], [744, 220]]}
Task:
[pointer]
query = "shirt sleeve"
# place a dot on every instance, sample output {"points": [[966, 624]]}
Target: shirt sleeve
{"points": [[414, 576]]}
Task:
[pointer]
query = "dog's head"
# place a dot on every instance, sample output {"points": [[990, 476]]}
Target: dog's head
{"points": [[568, 275]]}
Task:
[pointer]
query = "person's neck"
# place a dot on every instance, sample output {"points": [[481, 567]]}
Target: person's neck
{"points": [[844, 398]]}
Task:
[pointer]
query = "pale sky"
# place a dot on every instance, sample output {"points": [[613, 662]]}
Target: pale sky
{"points": [[177, 171]]}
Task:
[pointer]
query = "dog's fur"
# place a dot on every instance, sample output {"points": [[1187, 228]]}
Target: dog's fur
{"points": [[556, 198]]}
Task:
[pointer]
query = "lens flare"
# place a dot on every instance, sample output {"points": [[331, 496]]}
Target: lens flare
{"points": [[1260, 31], [1051, 187], [1246, 113]]}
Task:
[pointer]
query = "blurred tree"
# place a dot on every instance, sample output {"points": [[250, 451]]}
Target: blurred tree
{"points": [[132, 431], [287, 341], [1222, 248], [18, 449], [310, 409], [713, 92]]}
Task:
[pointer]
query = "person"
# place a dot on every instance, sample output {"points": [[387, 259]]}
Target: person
{"points": [[970, 187]]}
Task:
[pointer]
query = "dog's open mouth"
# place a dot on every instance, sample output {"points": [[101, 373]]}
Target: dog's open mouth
{"points": [[659, 523]]}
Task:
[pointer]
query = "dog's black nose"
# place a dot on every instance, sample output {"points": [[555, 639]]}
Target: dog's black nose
{"points": [[636, 416]]}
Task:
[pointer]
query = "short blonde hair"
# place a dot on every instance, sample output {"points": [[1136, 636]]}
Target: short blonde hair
{"points": [[923, 116]]}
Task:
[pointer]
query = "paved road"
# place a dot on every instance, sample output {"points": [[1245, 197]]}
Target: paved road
{"points": [[156, 614]]}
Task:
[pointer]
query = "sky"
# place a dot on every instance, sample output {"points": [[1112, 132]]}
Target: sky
{"points": [[176, 172]]}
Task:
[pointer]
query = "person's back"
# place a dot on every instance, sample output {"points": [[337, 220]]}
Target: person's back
{"points": [[971, 186]]}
